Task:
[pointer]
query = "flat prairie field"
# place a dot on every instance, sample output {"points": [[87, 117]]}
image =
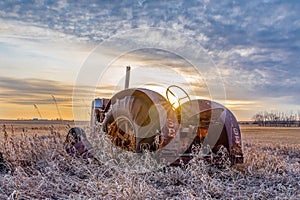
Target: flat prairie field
{"points": [[279, 135], [34, 127], [251, 133], [37, 167]]}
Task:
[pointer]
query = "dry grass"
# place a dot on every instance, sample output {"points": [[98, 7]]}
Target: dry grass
{"points": [[40, 169]]}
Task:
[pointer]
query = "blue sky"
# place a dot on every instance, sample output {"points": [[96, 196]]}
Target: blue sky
{"points": [[254, 44]]}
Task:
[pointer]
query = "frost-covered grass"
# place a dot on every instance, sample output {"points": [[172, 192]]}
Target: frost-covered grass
{"points": [[39, 168]]}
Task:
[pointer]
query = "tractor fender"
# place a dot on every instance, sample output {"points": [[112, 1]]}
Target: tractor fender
{"points": [[169, 125], [232, 129], [216, 111]]}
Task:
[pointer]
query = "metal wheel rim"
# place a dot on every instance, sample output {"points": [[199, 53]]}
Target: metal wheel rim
{"points": [[123, 134]]}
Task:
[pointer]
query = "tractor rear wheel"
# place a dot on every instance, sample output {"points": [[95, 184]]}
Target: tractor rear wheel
{"points": [[132, 124]]}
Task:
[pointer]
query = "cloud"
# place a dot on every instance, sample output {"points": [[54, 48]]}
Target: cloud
{"points": [[28, 51], [255, 44], [33, 91], [40, 91]]}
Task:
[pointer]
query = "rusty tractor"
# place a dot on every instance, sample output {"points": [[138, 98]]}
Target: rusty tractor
{"points": [[139, 119]]}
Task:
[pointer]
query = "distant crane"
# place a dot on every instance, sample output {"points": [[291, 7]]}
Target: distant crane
{"points": [[37, 109], [56, 107]]}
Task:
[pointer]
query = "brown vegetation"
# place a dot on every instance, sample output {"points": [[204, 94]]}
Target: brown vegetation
{"points": [[39, 168]]}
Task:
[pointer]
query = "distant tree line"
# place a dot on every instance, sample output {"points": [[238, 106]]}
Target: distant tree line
{"points": [[280, 119]]}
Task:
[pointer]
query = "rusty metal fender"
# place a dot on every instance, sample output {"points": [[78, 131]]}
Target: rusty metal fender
{"points": [[216, 111], [168, 120]]}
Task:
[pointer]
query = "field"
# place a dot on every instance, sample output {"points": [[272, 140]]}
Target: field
{"points": [[39, 168]]}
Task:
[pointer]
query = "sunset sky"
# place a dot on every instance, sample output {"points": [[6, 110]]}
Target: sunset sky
{"points": [[248, 50]]}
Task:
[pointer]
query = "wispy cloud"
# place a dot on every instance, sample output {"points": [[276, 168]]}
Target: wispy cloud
{"points": [[255, 44], [33, 91], [40, 91]]}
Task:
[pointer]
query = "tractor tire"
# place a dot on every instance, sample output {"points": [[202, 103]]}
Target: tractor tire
{"points": [[75, 135], [76, 143], [133, 124]]}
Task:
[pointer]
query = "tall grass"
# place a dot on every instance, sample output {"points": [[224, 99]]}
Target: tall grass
{"points": [[39, 168]]}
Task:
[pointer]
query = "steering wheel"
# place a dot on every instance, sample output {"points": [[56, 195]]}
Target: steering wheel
{"points": [[170, 90]]}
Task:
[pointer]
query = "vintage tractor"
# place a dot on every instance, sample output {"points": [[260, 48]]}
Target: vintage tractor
{"points": [[139, 119]]}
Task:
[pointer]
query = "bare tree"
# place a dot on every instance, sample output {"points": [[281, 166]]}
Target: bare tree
{"points": [[273, 118]]}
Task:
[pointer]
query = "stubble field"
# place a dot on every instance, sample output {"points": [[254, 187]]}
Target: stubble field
{"points": [[39, 168]]}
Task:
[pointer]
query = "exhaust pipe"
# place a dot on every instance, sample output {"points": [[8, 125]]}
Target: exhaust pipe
{"points": [[127, 77]]}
